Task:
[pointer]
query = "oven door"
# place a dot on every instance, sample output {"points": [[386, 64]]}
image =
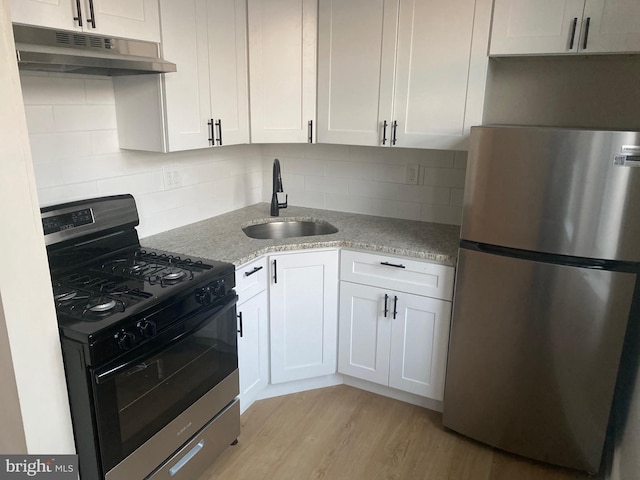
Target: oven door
{"points": [[158, 381]]}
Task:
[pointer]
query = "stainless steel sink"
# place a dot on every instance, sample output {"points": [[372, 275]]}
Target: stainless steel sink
{"points": [[288, 228]]}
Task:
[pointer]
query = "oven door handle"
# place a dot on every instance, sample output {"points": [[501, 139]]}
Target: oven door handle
{"points": [[106, 373]]}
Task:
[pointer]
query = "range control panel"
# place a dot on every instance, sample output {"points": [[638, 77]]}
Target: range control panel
{"points": [[67, 221]]}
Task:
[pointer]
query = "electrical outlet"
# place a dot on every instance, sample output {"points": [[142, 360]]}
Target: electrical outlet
{"points": [[412, 174], [171, 178]]}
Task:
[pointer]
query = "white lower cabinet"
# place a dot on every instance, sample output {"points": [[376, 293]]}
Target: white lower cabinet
{"points": [[392, 337], [303, 308], [253, 348], [253, 330]]}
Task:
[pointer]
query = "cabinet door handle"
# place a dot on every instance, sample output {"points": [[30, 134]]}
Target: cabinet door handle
{"points": [[92, 19], [386, 308], [241, 329], [394, 131], [396, 265], [255, 270], [586, 33], [79, 10], [384, 132], [574, 26], [310, 131], [395, 306], [211, 134], [275, 272], [219, 128]]}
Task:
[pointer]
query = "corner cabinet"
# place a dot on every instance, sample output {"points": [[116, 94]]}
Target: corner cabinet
{"points": [[303, 308], [282, 66], [136, 19], [403, 73], [531, 27], [206, 102], [253, 330], [388, 333]]}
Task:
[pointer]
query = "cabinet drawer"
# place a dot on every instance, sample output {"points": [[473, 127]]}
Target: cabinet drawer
{"points": [[398, 273], [251, 278]]}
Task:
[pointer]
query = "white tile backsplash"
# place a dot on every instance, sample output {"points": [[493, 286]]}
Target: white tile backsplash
{"points": [[75, 151], [370, 180]]}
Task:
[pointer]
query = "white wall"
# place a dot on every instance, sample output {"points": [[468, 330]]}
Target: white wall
{"points": [[72, 132], [25, 286], [370, 180]]}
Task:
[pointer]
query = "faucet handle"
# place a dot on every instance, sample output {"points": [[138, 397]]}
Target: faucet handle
{"points": [[286, 201]]}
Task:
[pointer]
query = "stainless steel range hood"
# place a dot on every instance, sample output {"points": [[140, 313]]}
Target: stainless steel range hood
{"points": [[52, 50]]}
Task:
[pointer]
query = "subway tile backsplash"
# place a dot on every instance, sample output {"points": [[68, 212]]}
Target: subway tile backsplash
{"points": [[371, 180], [74, 144]]}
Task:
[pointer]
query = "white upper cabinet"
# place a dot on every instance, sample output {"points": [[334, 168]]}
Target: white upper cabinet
{"points": [[402, 73], [614, 26], [530, 27], [282, 69], [137, 19], [356, 61], [204, 103]]}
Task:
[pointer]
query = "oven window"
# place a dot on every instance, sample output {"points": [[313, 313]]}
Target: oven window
{"points": [[136, 403]]}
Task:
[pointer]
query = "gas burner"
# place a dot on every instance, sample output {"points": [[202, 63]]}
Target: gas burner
{"points": [[173, 276], [101, 305]]}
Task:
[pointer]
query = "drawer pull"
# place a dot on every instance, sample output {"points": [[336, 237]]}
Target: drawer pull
{"points": [[386, 306], [255, 270], [397, 265], [184, 460]]}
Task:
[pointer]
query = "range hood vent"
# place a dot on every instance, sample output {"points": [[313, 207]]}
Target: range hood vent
{"points": [[51, 50]]}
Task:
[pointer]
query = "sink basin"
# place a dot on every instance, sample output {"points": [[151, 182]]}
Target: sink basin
{"points": [[288, 228]]}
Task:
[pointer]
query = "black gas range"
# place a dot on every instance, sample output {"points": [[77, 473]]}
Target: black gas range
{"points": [[149, 345]]}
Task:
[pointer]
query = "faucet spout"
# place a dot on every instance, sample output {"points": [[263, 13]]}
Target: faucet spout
{"points": [[277, 187]]}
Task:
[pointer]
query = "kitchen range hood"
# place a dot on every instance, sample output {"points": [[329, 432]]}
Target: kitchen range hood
{"points": [[52, 50]]}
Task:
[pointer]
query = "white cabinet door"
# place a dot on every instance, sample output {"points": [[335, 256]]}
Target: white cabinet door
{"points": [[282, 68], [46, 13], [137, 19], [356, 61], [303, 311], [364, 332], [434, 48], [613, 26], [187, 97], [536, 26], [253, 348], [228, 70], [419, 343]]}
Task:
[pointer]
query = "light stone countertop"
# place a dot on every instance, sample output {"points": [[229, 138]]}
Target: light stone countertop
{"points": [[221, 238]]}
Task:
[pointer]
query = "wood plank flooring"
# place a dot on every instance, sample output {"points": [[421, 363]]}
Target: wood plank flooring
{"points": [[346, 433]]}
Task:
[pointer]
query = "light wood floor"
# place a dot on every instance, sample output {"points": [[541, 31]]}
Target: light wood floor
{"points": [[345, 433]]}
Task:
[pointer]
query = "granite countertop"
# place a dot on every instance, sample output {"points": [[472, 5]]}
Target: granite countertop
{"points": [[222, 238]]}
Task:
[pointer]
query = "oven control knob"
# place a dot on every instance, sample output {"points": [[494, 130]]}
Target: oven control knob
{"points": [[219, 289], [205, 295], [147, 328], [126, 340]]}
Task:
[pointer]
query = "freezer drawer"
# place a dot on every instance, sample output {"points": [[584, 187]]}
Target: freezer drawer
{"points": [[534, 354]]}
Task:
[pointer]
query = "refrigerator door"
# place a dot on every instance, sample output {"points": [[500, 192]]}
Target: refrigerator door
{"points": [[534, 353], [567, 192]]}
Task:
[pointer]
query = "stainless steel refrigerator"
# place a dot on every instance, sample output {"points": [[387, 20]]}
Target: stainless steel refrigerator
{"points": [[546, 279]]}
